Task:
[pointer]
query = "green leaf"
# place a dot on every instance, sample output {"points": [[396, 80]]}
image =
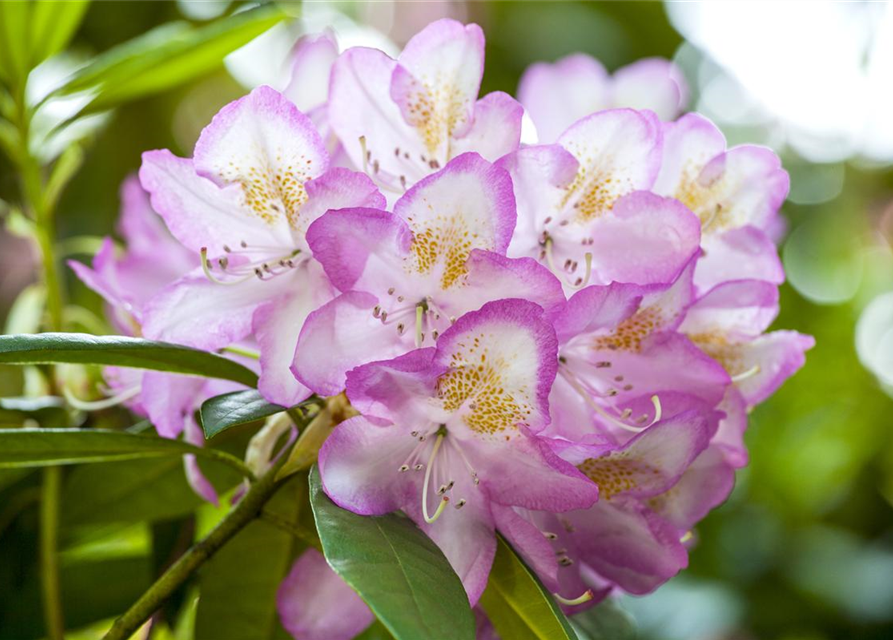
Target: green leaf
{"points": [[14, 32], [517, 603], [165, 57], [232, 409], [149, 490], [122, 351], [238, 585], [53, 24], [605, 621], [400, 573], [45, 447]]}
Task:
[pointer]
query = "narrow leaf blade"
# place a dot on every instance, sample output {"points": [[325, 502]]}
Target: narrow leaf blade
{"points": [[46, 447], [123, 351], [517, 603], [233, 409], [400, 573]]}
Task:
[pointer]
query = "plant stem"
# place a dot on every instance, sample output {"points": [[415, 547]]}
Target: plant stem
{"points": [[49, 560], [35, 203], [247, 510]]}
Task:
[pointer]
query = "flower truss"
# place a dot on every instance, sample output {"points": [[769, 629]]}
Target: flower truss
{"points": [[558, 342]]}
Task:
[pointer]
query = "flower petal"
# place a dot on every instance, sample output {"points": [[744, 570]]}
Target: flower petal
{"points": [[360, 106], [264, 144], [277, 325], [745, 253], [312, 60], [340, 188], [359, 465], [169, 400], [650, 83], [557, 95], [628, 544], [510, 345], [705, 485], [361, 249], [646, 239], [206, 315], [339, 336], [314, 603], [740, 308], [492, 276], [529, 542], [468, 205], [194, 476], [540, 177], [496, 130], [653, 460], [198, 212], [619, 152], [436, 82], [396, 390]]}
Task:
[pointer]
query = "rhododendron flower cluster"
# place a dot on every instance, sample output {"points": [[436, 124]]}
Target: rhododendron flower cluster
{"points": [[556, 342]]}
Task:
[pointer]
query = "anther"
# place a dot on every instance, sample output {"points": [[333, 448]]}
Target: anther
{"points": [[565, 561], [403, 467], [460, 503], [550, 536]]}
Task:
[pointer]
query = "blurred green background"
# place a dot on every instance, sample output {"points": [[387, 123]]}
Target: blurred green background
{"points": [[803, 550]]}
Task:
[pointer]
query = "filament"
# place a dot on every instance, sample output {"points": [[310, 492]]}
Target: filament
{"points": [[98, 405]]}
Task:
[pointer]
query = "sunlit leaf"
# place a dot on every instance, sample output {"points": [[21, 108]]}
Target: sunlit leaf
{"points": [[14, 54], [232, 409], [53, 23], [123, 351], [517, 603], [400, 573], [165, 57]]}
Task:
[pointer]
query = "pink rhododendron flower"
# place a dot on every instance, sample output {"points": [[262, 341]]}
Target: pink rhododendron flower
{"points": [[557, 95], [736, 194], [258, 179], [559, 343], [581, 209], [407, 275], [403, 119], [448, 436]]}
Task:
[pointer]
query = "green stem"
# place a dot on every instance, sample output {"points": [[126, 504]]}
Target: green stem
{"points": [[49, 560], [247, 510], [35, 203]]}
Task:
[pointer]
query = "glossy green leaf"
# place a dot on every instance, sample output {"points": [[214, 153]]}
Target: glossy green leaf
{"points": [[605, 621], [400, 573], [518, 604], [232, 409], [44, 447], [165, 57], [121, 351], [53, 23], [238, 585]]}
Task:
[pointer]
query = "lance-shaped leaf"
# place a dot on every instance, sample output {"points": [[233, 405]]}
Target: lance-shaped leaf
{"points": [[518, 604], [165, 57], [399, 572], [121, 351], [45, 447], [53, 23], [232, 409]]}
